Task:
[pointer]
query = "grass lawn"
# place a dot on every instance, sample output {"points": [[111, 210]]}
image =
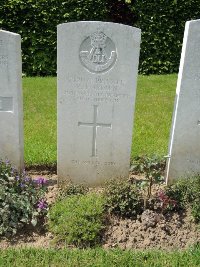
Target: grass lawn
{"points": [[154, 107], [153, 114], [40, 120], [98, 257]]}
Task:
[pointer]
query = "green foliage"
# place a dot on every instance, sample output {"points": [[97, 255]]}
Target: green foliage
{"points": [[179, 192], [78, 219], [123, 198], [36, 21], [166, 203], [195, 209], [120, 12], [161, 21], [69, 189], [21, 200], [186, 192], [152, 168]]}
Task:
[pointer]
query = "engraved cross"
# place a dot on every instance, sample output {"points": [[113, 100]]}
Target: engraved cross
{"points": [[95, 125]]}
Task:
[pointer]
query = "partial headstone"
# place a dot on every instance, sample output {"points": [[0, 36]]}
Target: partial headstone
{"points": [[184, 147], [97, 74], [11, 113]]}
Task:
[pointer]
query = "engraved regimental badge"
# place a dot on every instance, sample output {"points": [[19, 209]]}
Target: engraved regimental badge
{"points": [[98, 53]]}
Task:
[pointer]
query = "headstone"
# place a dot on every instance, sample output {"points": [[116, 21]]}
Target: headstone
{"points": [[184, 147], [11, 118], [97, 74]]}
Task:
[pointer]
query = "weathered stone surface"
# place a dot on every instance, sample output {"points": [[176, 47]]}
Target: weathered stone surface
{"points": [[184, 147], [11, 113], [97, 74]]}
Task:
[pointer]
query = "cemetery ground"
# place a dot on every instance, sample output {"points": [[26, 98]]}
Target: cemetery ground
{"points": [[164, 225]]}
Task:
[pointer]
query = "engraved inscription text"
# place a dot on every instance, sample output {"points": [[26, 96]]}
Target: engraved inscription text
{"points": [[6, 104]]}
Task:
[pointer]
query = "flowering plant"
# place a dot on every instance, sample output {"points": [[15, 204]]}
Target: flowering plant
{"points": [[166, 202], [22, 199]]}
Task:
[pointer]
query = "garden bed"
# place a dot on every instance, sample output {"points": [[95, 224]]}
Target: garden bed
{"points": [[150, 230]]}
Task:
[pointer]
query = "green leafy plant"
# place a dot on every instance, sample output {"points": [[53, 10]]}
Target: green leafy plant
{"points": [[72, 189], [179, 192], [78, 219], [195, 209], [186, 192], [166, 203], [22, 200], [123, 198], [152, 168]]}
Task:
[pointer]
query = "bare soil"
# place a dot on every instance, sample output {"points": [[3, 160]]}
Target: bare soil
{"points": [[151, 230]]}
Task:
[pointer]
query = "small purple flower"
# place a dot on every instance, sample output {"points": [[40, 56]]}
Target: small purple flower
{"points": [[42, 204], [7, 162], [22, 185], [27, 179], [17, 178], [13, 170], [40, 181]]}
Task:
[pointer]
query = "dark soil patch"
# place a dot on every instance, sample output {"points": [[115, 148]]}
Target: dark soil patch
{"points": [[151, 230], [42, 169]]}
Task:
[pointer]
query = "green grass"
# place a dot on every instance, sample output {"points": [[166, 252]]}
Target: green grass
{"points": [[153, 114], [40, 120], [98, 257], [154, 107]]}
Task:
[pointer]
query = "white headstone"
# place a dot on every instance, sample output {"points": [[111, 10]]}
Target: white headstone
{"points": [[184, 147], [97, 74], [11, 114]]}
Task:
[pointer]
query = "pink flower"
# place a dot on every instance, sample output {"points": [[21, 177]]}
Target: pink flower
{"points": [[42, 204]]}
